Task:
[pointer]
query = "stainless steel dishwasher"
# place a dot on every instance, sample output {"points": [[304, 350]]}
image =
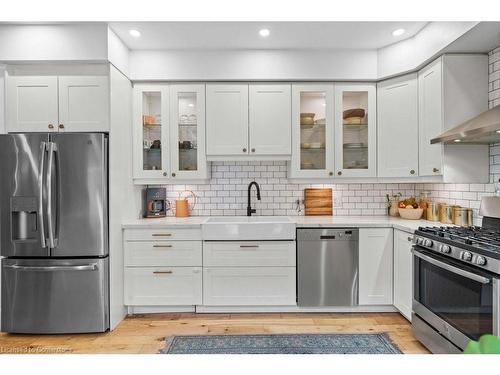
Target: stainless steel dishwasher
{"points": [[327, 267]]}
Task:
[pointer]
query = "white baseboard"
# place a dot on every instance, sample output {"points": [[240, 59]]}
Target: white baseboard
{"points": [[159, 309], [292, 309]]}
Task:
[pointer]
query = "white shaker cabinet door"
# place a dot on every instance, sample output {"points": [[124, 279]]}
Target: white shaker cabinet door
{"points": [[227, 119], [270, 119], [31, 104], [397, 110], [430, 118], [83, 103], [403, 283], [375, 266]]}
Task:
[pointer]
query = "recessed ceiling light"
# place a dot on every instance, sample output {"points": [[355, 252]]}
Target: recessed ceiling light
{"points": [[398, 32], [457, 140], [264, 33], [135, 33]]}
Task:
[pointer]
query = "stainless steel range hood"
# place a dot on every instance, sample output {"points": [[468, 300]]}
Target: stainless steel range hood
{"points": [[482, 129]]}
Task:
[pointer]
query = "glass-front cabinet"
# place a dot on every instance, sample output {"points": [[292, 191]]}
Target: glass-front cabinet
{"points": [[187, 109], [150, 130], [312, 131], [355, 130], [169, 133]]}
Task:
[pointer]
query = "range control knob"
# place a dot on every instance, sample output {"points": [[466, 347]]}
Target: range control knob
{"points": [[466, 255], [428, 243], [480, 261], [445, 249], [418, 241]]}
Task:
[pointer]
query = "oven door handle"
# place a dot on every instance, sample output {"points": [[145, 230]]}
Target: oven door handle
{"points": [[448, 267]]}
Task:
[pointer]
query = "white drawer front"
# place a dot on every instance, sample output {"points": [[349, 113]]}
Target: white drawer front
{"points": [[163, 286], [163, 253], [249, 254], [178, 234], [249, 286]]}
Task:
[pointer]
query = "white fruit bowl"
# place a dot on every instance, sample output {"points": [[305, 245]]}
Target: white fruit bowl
{"points": [[411, 213]]}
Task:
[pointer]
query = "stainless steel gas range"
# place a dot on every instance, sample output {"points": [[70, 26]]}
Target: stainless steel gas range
{"points": [[456, 282]]}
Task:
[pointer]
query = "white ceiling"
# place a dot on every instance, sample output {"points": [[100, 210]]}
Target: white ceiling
{"points": [[244, 35]]}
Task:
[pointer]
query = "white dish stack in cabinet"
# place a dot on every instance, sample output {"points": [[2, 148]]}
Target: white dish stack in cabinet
{"points": [[163, 267], [57, 103], [452, 90], [169, 133], [375, 266], [248, 122], [403, 283]]}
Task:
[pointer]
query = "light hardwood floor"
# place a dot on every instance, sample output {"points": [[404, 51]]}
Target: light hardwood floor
{"points": [[146, 333]]}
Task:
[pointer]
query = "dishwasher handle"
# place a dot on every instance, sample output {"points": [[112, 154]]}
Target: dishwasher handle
{"points": [[327, 237]]}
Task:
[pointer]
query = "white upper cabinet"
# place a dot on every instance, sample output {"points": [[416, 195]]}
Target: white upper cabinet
{"points": [[83, 103], [51, 103], [397, 127], [248, 122], [375, 266], [270, 119], [227, 119], [452, 90], [355, 130], [31, 104], [187, 131], [150, 126], [312, 131], [430, 104]]}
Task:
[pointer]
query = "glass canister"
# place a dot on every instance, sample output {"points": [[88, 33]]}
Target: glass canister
{"points": [[424, 203], [432, 211]]}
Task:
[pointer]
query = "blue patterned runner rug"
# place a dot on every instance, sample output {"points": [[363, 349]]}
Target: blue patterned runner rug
{"points": [[376, 343]]}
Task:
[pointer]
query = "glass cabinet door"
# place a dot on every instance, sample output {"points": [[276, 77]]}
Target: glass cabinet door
{"points": [[355, 126], [151, 131], [312, 133], [188, 131]]}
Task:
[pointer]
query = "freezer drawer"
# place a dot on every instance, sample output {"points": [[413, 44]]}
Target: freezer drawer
{"points": [[55, 296]]}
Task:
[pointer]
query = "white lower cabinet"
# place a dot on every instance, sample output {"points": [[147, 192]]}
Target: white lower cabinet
{"points": [[251, 286], [150, 286], [403, 290], [375, 266]]}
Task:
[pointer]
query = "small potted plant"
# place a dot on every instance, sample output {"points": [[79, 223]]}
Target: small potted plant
{"points": [[392, 203]]}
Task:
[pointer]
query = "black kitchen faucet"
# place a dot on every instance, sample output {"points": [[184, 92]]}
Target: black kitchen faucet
{"points": [[251, 210]]}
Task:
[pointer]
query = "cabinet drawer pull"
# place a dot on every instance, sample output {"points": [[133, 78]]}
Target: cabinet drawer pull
{"points": [[162, 272], [410, 239], [162, 245], [161, 234], [249, 246], [435, 170]]}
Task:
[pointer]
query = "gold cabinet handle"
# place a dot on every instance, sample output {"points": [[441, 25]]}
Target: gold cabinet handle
{"points": [[161, 234], [253, 150], [165, 174], [339, 173], [173, 174], [51, 126], [162, 272], [435, 170], [162, 246], [330, 173], [61, 126], [249, 246], [244, 150], [412, 171], [410, 239]]}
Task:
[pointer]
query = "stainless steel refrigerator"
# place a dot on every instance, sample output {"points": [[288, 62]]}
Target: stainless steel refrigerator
{"points": [[54, 233]]}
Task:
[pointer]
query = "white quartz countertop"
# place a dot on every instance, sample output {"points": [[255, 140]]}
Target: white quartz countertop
{"points": [[300, 221]]}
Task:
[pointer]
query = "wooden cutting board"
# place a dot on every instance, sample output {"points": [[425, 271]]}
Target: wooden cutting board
{"points": [[318, 202]]}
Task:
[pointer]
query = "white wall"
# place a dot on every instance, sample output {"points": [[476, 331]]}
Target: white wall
{"points": [[412, 53], [118, 53], [271, 65], [60, 42]]}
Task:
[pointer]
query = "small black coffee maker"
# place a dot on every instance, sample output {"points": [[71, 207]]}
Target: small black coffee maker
{"points": [[155, 202]]}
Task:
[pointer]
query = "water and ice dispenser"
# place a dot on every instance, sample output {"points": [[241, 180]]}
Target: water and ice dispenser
{"points": [[24, 216]]}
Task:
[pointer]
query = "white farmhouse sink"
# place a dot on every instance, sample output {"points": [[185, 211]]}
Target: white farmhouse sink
{"points": [[248, 228]]}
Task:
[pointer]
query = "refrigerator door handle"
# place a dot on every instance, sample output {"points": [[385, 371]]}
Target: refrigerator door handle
{"points": [[43, 146], [50, 226], [86, 267]]}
